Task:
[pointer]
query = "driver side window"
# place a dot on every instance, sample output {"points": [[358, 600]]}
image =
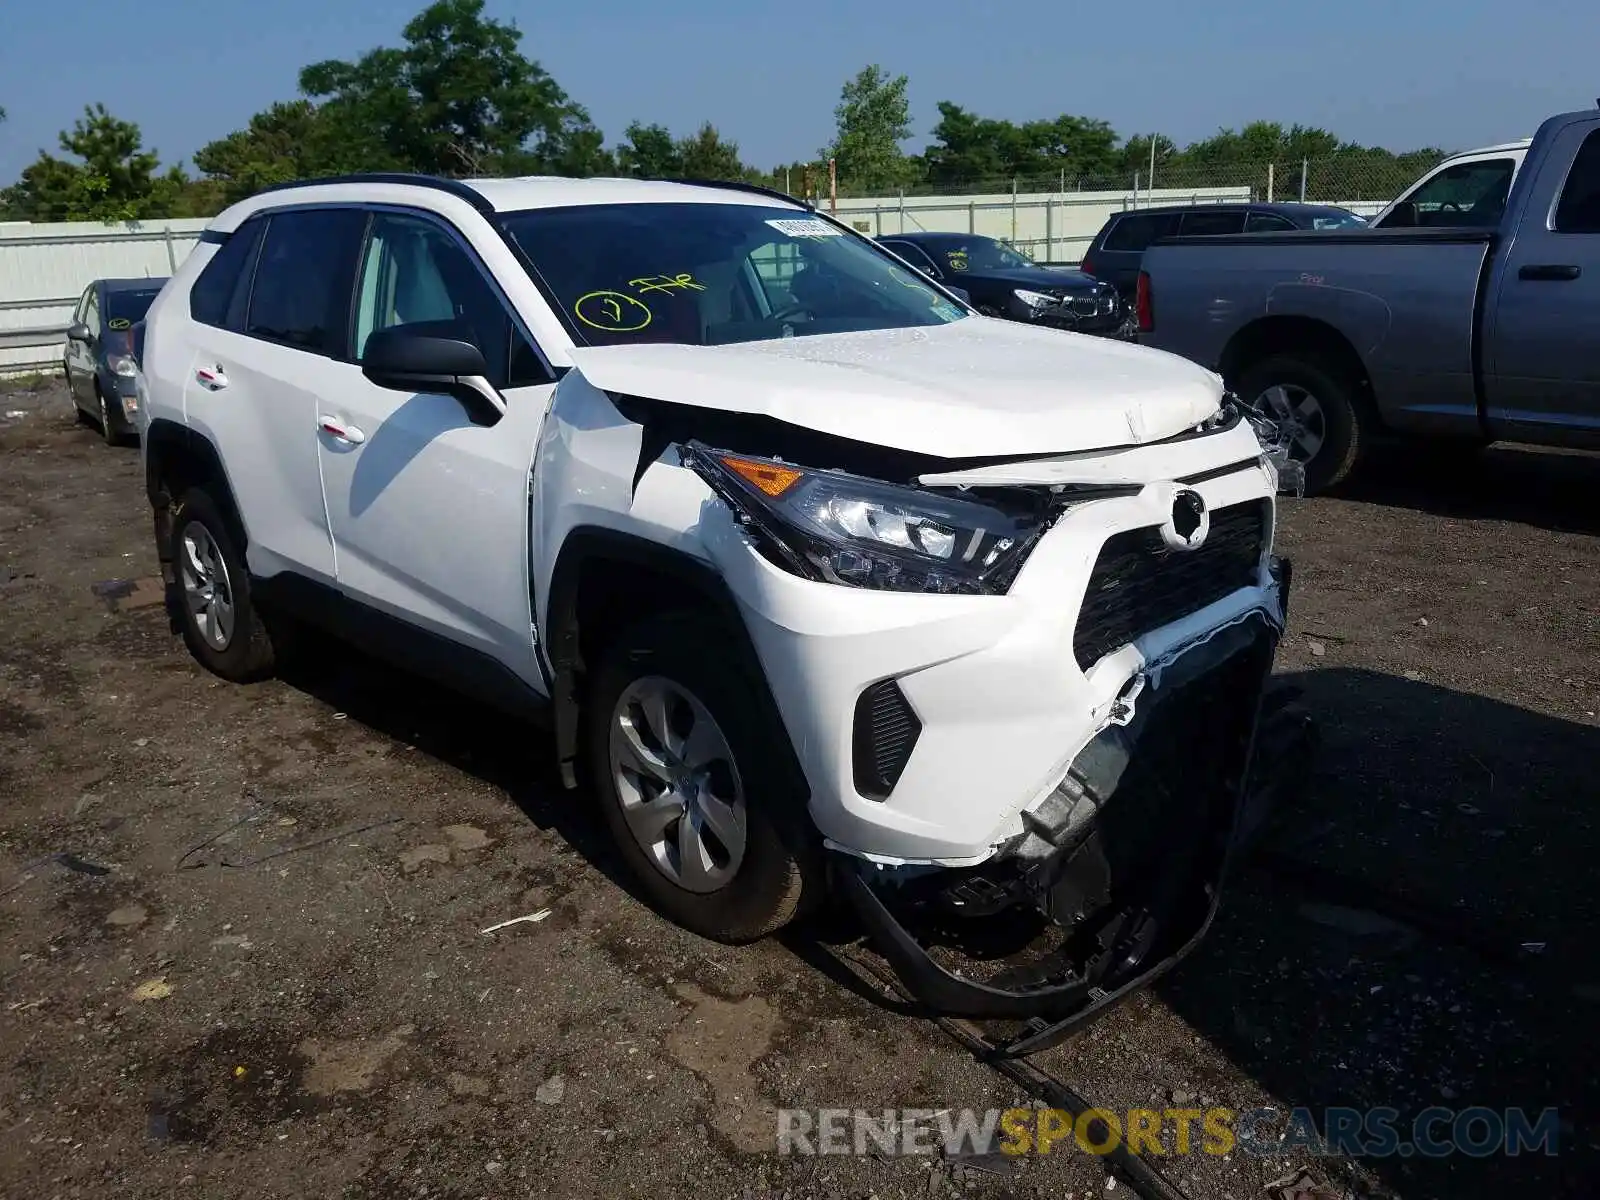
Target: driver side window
{"points": [[1466, 196], [415, 274]]}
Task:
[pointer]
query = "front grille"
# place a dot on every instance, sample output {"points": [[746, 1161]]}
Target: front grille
{"points": [[1139, 583], [886, 730], [1090, 306]]}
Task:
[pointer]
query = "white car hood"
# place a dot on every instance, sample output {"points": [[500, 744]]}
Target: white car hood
{"points": [[974, 388]]}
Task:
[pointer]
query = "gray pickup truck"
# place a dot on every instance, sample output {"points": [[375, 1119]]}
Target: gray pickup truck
{"points": [[1477, 319]]}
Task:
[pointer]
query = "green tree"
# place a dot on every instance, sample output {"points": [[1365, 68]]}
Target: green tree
{"points": [[706, 154], [649, 153], [292, 140], [872, 118], [114, 179], [459, 98]]}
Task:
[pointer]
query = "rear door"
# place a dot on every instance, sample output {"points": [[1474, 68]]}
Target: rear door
{"points": [[1542, 352], [429, 512], [266, 326]]}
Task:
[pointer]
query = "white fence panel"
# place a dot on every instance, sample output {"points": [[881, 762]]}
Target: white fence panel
{"points": [[44, 269]]}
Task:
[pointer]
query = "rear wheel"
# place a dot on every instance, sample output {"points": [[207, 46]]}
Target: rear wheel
{"points": [[219, 621], [1320, 418], [711, 827]]}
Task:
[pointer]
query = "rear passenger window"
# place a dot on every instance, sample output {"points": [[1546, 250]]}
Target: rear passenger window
{"points": [[301, 292], [1579, 210], [1135, 233], [225, 275], [1267, 223], [1211, 224]]}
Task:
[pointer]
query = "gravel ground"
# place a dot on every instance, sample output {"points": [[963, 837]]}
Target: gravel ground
{"points": [[305, 1005]]}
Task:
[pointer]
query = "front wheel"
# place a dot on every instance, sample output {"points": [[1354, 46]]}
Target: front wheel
{"points": [[710, 825], [108, 431], [1318, 413]]}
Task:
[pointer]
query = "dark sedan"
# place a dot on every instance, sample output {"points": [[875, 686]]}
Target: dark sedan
{"points": [[1002, 282], [101, 361]]}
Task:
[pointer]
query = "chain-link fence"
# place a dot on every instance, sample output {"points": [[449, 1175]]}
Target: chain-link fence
{"points": [[1357, 177]]}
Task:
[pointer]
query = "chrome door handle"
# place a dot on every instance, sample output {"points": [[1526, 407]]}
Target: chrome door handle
{"points": [[335, 428]]}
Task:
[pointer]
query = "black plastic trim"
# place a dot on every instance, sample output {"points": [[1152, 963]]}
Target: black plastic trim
{"points": [[438, 183], [588, 544], [460, 668], [884, 733], [214, 237], [164, 438]]}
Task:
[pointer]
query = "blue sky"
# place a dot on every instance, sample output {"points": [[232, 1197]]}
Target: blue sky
{"points": [[1399, 73]]}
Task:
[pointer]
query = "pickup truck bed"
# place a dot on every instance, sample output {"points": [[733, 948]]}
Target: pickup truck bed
{"points": [[1472, 333]]}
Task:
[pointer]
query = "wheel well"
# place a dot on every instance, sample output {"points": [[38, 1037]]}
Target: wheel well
{"points": [[1298, 336], [603, 583], [177, 459]]}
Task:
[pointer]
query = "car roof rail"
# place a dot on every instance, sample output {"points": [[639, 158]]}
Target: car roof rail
{"points": [[439, 183], [735, 185]]}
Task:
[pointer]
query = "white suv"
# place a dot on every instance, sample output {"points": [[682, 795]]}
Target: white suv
{"points": [[816, 574]]}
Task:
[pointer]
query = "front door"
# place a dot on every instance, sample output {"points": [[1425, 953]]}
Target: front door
{"points": [[1543, 358], [80, 355], [429, 512]]}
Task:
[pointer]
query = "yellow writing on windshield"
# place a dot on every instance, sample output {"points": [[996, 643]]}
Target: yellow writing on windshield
{"points": [[612, 312], [665, 283]]}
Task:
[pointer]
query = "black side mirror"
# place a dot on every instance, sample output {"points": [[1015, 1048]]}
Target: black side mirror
{"points": [[409, 361], [78, 332]]}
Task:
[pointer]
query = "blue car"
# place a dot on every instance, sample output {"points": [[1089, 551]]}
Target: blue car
{"points": [[101, 360]]}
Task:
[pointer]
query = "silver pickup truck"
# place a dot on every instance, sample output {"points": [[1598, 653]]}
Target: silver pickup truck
{"points": [[1475, 316]]}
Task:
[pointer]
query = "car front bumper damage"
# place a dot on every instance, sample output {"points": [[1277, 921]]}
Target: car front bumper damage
{"points": [[1119, 873]]}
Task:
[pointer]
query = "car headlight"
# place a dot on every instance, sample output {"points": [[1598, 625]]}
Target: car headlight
{"points": [[841, 528], [1035, 299], [122, 364]]}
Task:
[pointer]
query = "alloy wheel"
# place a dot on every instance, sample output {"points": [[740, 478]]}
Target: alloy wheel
{"points": [[206, 587], [1298, 417], [679, 788]]}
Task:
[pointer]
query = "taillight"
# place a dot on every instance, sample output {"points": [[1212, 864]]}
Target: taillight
{"points": [[1087, 265], [1145, 304]]}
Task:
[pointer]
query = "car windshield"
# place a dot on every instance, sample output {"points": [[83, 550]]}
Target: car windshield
{"points": [[981, 254], [129, 306], [1342, 220], [709, 274]]}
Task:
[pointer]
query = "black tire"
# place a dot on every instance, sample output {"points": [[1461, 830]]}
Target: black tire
{"points": [[248, 655], [108, 430], [1349, 424], [781, 875]]}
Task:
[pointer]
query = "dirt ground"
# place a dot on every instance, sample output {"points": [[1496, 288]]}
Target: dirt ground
{"points": [[241, 928]]}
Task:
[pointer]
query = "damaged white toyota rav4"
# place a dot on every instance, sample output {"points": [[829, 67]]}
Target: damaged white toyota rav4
{"points": [[820, 579]]}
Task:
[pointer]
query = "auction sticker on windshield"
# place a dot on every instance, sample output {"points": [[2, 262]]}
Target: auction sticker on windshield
{"points": [[806, 227]]}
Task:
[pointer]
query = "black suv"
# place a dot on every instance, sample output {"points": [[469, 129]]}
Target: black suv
{"points": [[1002, 282], [1116, 250]]}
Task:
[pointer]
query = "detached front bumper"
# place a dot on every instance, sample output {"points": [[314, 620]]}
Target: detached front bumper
{"points": [[1121, 872]]}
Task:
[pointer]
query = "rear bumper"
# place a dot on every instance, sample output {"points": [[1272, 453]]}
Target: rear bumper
{"points": [[1128, 891]]}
